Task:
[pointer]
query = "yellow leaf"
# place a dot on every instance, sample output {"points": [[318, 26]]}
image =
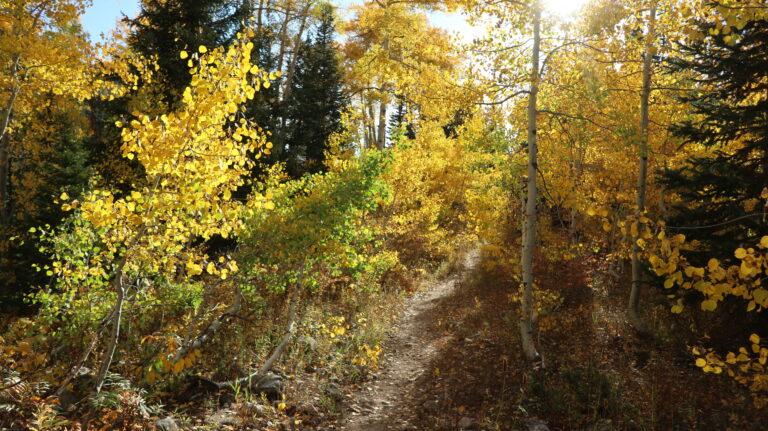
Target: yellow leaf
{"points": [[754, 338], [64, 196], [202, 49], [677, 309], [183, 55], [713, 264], [764, 242], [193, 268], [708, 305], [211, 268], [700, 362], [740, 253], [178, 367]]}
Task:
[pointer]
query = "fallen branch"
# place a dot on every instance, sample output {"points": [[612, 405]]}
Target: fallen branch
{"points": [[261, 381], [210, 331], [289, 330]]}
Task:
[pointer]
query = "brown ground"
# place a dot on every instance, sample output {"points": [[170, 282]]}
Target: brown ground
{"points": [[382, 404], [454, 363]]}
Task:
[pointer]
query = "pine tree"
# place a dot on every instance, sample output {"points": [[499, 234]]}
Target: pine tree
{"points": [[397, 122], [316, 100], [720, 193], [165, 27], [59, 165], [265, 106]]}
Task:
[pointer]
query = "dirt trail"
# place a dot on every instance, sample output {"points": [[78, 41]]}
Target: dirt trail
{"points": [[384, 402]]}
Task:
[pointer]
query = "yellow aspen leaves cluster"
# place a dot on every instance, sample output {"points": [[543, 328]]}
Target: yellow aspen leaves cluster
{"points": [[165, 364], [717, 280], [193, 160], [748, 366]]}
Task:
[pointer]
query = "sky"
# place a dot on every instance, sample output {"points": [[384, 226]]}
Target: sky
{"points": [[103, 15]]}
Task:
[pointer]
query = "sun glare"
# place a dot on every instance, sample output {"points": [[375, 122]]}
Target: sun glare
{"points": [[564, 7]]}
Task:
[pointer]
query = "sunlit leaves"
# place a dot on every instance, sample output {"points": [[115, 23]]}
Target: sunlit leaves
{"points": [[193, 159]]}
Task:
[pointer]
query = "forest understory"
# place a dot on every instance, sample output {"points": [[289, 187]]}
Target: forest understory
{"points": [[449, 363], [384, 215]]}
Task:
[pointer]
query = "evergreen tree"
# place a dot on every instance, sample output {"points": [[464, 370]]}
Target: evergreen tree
{"points": [[316, 99], [165, 27], [60, 165], [397, 121], [720, 193]]}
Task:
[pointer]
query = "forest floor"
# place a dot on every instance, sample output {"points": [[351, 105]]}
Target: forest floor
{"points": [[452, 362], [385, 402]]}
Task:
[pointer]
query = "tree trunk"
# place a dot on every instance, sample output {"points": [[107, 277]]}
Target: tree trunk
{"points": [[291, 70], [381, 135], [5, 179], [5, 144], [260, 14], [117, 311], [633, 311], [115, 335], [370, 124], [529, 219], [295, 55]]}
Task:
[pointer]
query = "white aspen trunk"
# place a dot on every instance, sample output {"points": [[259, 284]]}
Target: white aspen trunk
{"points": [[633, 310], [290, 72], [381, 135], [529, 218], [5, 144], [371, 121]]}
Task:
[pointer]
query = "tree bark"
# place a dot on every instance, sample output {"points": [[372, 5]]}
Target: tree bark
{"points": [[212, 329], [5, 144], [370, 124], [529, 218], [115, 335], [290, 329], [381, 134], [633, 311], [117, 311], [286, 93], [260, 14], [5, 180]]}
